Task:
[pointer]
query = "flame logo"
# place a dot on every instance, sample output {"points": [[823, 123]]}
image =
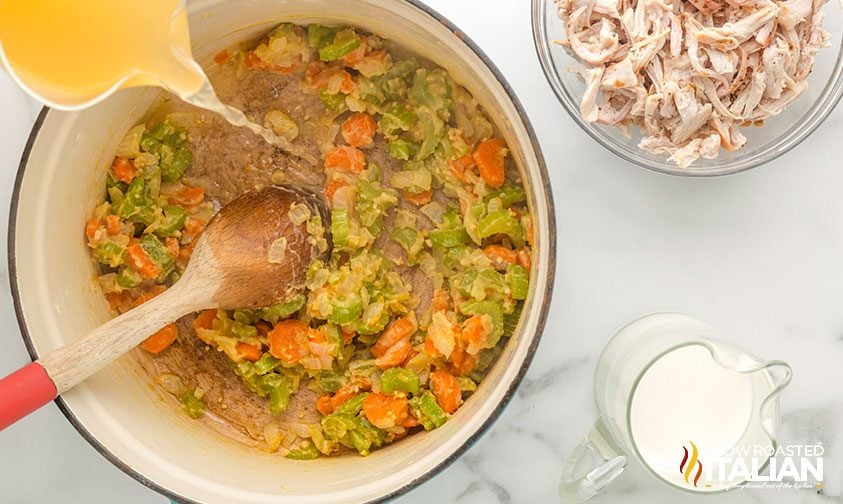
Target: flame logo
{"points": [[686, 467]]}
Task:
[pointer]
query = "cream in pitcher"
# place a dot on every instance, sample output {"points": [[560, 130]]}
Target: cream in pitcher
{"points": [[680, 402]]}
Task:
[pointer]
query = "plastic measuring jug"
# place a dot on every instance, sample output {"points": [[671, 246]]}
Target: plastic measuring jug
{"points": [[72, 54], [681, 402]]}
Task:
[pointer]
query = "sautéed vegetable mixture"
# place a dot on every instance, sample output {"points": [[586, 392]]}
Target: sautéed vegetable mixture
{"points": [[431, 243]]}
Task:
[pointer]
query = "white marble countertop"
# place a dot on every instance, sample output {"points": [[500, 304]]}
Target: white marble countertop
{"points": [[759, 255]]}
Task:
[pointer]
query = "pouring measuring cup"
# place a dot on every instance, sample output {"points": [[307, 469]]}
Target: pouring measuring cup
{"points": [[73, 55], [680, 402]]}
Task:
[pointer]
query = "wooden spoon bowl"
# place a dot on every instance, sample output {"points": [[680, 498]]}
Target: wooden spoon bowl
{"points": [[250, 255]]}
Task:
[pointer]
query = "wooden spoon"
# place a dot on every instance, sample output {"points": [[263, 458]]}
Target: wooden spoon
{"points": [[250, 255]]}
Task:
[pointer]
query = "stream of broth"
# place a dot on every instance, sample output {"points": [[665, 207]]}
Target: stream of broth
{"points": [[70, 52]]}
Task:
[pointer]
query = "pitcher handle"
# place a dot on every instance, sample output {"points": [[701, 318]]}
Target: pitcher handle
{"points": [[595, 462]]}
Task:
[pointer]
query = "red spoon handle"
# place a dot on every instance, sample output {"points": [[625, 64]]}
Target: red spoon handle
{"points": [[23, 392]]}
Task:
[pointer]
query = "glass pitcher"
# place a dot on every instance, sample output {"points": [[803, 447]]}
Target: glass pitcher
{"points": [[685, 405]]}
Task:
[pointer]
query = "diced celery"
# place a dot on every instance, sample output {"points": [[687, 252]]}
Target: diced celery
{"points": [[352, 406], [280, 311], [174, 161], [339, 227], [508, 195], [466, 384], [449, 238], [110, 253], [501, 222], [266, 364], [432, 89], [345, 311], [115, 195], [129, 146], [174, 219], [336, 426], [319, 36], [374, 318], [331, 381], [432, 131], [401, 149], [518, 280], [428, 411], [486, 283], [415, 181], [403, 68], [333, 102], [399, 380], [396, 120], [307, 452], [159, 254], [510, 320], [410, 239], [194, 406], [243, 331], [128, 278], [365, 435], [279, 389], [343, 43]]}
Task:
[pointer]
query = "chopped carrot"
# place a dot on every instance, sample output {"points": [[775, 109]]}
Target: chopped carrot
{"points": [[347, 336], [399, 328], [120, 301], [141, 261], [172, 245], [490, 156], [253, 62], [248, 351], [324, 406], [355, 55], [395, 355], [333, 79], [192, 227], [441, 300], [288, 340], [475, 332], [524, 259], [385, 411], [331, 188], [462, 363], [148, 294], [410, 422], [430, 348], [345, 158], [112, 224], [187, 196], [422, 198], [460, 165], [446, 388], [124, 169], [222, 56], [205, 320], [343, 394], [161, 340], [500, 256], [91, 228], [359, 130]]}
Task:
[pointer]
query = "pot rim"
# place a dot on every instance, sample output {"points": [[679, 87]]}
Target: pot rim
{"points": [[546, 293]]}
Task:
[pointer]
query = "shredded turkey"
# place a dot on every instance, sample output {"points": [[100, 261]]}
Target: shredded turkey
{"points": [[691, 73]]}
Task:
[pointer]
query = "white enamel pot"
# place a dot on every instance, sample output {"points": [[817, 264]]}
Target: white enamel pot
{"points": [[137, 426]]}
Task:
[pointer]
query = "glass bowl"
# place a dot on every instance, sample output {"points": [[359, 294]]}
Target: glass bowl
{"points": [[778, 135]]}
